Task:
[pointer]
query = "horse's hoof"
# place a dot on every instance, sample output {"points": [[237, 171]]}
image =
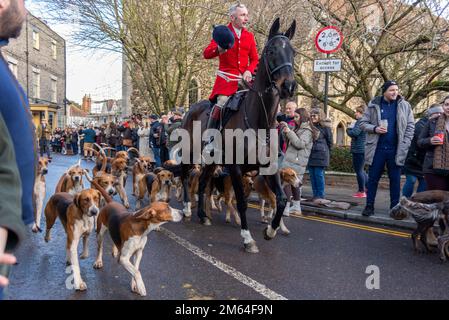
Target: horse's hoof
{"points": [[269, 233], [206, 222], [251, 247]]}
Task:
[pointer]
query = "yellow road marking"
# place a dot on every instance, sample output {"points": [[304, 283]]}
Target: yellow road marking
{"points": [[347, 224]]}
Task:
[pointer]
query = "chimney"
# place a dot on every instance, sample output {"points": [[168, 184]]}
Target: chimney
{"points": [[87, 103]]}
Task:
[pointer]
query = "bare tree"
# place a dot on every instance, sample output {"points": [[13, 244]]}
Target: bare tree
{"points": [[384, 39], [161, 40]]}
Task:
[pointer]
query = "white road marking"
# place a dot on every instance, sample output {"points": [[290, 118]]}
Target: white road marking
{"points": [[253, 284]]}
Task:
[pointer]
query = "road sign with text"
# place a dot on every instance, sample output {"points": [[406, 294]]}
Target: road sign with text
{"points": [[327, 65]]}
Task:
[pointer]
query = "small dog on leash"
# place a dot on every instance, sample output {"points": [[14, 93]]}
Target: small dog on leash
{"points": [[39, 192], [426, 208]]}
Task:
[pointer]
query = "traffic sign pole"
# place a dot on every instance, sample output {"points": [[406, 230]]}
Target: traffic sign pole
{"points": [[328, 40], [326, 90]]}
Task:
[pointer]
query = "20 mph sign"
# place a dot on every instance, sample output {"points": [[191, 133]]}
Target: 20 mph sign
{"points": [[328, 40]]}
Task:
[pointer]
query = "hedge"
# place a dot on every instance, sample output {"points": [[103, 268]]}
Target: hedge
{"points": [[341, 160]]}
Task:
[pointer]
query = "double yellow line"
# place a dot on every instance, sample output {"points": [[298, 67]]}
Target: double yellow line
{"points": [[346, 224]]}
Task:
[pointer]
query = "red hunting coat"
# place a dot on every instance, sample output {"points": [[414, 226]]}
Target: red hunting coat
{"points": [[241, 57]]}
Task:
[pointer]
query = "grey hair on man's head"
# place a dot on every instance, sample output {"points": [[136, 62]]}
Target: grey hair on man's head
{"points": [[234, 7]]}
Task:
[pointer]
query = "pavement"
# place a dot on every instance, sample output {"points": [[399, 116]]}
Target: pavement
{"points": [[344, 194]]}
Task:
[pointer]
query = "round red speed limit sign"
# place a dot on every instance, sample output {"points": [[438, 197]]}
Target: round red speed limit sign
{"points": [[329, 39]]}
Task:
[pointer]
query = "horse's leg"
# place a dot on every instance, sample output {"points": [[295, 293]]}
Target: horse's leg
{"points": [[187, 210], [204, 180], [236, 177], [274, 182]]}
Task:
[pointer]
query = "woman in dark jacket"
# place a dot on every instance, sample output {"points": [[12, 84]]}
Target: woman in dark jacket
{"points": [[434, 138], [320, 155], [358, 138]]}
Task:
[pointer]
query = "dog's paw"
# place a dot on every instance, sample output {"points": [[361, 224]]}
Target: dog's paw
{"points": [[140, 289], [81, 287], [98, 264], [84, 256], [114, 252], [36, 229]]}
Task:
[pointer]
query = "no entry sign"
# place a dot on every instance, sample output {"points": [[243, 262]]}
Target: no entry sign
{"points": [[329, 40]]}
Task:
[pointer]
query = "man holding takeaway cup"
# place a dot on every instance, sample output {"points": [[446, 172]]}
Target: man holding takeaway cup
{"points": [[390, 125]]}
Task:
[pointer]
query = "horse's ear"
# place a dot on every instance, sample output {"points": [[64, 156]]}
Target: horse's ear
{"points": [[291, 31], [274, 28]]}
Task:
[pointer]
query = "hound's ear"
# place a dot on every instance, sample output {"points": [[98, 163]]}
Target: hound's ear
{"points": [[157, 170], [145, 214], [76, 200], [99, 196], [274, 28], [291, 31]]}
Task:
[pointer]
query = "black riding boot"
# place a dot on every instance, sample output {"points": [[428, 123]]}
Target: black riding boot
{"points": [[213, 123]]}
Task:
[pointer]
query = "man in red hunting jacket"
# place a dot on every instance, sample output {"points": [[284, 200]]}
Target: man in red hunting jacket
{"points": [[238, 61]]}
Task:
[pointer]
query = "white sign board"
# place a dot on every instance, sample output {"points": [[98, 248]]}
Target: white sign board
{"points": [[327, 65]]}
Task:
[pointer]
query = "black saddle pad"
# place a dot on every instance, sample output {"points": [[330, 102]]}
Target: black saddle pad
{"points": [[232, 106]]}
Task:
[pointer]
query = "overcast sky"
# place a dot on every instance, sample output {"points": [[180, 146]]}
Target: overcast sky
{"points": [[88, 72]]}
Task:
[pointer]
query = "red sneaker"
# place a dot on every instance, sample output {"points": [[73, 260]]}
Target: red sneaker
{"points": [[359, 195]]}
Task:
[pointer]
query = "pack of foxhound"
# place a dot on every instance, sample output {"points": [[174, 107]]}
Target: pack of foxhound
{"points": [[84, 200]]}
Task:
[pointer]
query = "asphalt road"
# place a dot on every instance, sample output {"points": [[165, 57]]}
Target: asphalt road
{"points": [[321, 259]]}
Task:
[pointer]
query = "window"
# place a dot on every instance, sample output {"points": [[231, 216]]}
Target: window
{"points": [[12, 63], [36, 83], [54, 89], [35, 40], [54, 49]]}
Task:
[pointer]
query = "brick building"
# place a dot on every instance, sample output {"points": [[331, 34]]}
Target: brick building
{"points": [[38, 60]]}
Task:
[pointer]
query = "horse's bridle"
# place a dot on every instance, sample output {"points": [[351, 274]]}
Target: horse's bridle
{"points": [[270, 78], [277, 68]]}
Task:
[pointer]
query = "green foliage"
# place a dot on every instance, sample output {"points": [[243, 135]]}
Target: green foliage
{"points": [[341, 160]]}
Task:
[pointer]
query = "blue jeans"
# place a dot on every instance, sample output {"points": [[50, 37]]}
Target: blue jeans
{"points": [[381, 158], [1, 294], [358, 162], [157, 156], [317, 181], [75, 147], [409, 185]]}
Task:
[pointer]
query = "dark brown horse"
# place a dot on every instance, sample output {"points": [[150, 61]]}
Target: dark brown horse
{"points": [[274, 81]]}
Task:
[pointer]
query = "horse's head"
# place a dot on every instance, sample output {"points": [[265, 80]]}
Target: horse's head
{"points": [[278, 60]]}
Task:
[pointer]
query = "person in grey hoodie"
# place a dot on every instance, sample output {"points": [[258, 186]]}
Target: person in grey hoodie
{"points": [[390, 125]]}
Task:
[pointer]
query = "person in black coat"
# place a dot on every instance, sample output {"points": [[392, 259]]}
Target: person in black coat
{"points": [[155, 139], [436, 161], [413, 169], [320, 154]]}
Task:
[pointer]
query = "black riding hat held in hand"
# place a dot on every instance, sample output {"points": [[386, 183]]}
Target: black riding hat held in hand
{"points": [[223, 37]]}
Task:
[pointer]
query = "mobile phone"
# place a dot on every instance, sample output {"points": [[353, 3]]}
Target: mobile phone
{"points": [[5, 270]]}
